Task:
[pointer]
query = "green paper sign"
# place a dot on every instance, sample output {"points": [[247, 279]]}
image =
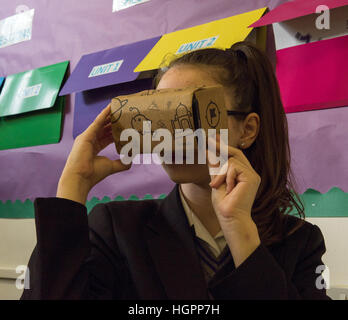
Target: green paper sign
{"points": [[30, 112]]}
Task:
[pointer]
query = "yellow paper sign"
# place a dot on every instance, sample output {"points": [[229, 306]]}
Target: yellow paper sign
{"points": [[221, 34]]}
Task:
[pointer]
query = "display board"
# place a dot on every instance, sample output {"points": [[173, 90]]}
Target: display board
{"points": [[67, 30]]}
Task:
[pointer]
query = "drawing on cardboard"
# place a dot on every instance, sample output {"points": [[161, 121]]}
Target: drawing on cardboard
{"points": [[153, 106], [212, 114], [137, 121], [161, 124], [183, 118], [122, 104]]}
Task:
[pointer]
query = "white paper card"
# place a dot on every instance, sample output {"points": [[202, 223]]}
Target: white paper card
{"points": [[304, 29], [17, 28], [124, 4], [105, 68]]}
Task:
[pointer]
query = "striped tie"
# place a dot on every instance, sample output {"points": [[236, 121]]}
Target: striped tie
{"points": [[210, 263]]}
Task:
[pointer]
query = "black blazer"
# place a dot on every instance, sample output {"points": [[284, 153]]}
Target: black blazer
{"points": [[146, 250]]}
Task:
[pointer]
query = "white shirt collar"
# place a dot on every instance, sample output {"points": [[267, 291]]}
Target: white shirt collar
{"points": [[217, 243]]}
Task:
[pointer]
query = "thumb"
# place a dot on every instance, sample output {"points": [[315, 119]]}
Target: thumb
{"points": [[118, 166]]}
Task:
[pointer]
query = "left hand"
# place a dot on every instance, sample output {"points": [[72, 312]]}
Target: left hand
{"points": [[233, 195]]}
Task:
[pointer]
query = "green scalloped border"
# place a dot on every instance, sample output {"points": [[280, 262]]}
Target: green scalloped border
{"points": [[334, 203]]}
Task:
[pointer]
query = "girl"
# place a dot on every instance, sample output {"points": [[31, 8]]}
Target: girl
{"points": [[227, 236]]}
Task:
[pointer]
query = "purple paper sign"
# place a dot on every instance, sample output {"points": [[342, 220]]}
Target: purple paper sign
{"points": [[108, 67], [89, 104]]}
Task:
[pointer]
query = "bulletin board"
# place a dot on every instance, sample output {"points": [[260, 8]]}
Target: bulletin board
{"points": [[65, 30]]}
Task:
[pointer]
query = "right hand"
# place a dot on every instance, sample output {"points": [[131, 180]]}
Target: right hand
{"points": [[84, 168]]}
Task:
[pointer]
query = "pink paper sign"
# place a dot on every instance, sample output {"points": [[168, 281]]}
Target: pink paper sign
{"points": [[314, 75], [295, 9]]}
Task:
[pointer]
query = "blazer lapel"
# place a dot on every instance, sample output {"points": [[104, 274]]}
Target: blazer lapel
{"points": [[171, 246]]}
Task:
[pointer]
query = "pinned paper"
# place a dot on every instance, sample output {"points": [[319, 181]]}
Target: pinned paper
{"points": [[32, 90], [294, 9], [311, 28], [217, 34], [313, 76], [17, 28], [30, 112], [88, 104], [118, 5], [108, 67], [298, 22], [171, 109]]}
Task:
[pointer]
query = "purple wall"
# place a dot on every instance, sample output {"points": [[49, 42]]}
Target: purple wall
{"points": [[65, 30]]}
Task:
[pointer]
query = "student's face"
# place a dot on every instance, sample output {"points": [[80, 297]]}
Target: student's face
{"points": [[192, 76]]}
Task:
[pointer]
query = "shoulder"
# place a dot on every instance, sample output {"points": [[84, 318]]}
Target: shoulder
{"points": [[302, 246], [302, 237], [303, 229]]}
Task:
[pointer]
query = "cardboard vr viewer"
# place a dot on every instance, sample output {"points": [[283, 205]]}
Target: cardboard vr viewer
{"points": [[171, 109]]}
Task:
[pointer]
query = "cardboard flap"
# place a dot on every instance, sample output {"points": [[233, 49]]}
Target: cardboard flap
{"points": [[221, 34], [32, 90], [108, 67], [294, 9], [212, 108]]}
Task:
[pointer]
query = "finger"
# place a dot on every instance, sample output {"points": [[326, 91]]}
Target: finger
{"points": [[107, 129], [93, 130], [214, 166], [232, 151], [106, 167], [228, 175], [212, 159], [231, 177], [219, 177], [216, 158], [100, 120], [108, 119], [215, 154], [102, 117], [118, 166], [104, 142]]}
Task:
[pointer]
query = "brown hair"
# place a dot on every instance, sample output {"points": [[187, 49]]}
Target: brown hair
{"points": [[248, 71]]}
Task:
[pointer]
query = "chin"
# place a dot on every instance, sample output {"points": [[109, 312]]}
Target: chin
{"points": [[187, 173]]}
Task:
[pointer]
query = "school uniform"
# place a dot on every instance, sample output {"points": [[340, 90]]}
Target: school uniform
{"points": [[152, 249]]}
